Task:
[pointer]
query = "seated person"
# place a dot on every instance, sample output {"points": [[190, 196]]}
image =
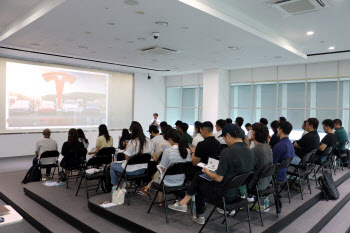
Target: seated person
{"points": [[284, 148], [239, 122], [234, 160], [186, 138], [176, 154], [82, 138], [281, 119], [123, 139], [262, 156], [330, 140], [197, 132], [341, 134], [156, 137], [45, 144], [219, 124], [177, 124], [274, 138], [138, 144], [308, 142], [249, 138], [103, 140], [303, 127], [71, 152], [159, 150]]}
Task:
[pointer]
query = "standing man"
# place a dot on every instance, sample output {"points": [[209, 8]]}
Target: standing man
{"points": [[45, 144], [155, 121]]}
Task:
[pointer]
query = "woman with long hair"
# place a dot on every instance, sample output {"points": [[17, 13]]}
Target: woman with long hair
{"points": [[178, 153], [138, 144], [103, 140], [82, 138], [124, 139]]}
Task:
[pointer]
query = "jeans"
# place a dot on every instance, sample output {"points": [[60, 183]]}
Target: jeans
{"points": [[117, 167], [36, 161]]}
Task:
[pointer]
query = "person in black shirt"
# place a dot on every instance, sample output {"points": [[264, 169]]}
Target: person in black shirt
{"points": [[239, 122], [274, 139], [308, 142], [330, 140]]}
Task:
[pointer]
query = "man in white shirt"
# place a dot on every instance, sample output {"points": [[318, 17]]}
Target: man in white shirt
{"points": [[219, 124], [156, 137], [250, 141], [45, 144], [198, 137], [155, 121]]}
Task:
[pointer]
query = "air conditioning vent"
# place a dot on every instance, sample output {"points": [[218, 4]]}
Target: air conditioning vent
{"points": [[295, 7], [156, 50]]}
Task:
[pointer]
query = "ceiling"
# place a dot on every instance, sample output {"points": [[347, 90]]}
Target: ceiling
{"points": [[202, 31]]}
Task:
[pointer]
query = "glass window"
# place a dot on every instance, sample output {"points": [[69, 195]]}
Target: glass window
{"points": [[265, 95], [174, 97], [172, 115], [322, 93], [201, 97], [344, 93], [190, 96], [241, 96], [269, 114], [294, 116], [201, 115], [245, 113], [322, 114], [291, 94], [189, 115], [344, 116]]}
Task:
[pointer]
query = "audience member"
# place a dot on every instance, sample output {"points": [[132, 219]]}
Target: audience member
{"points": [[103, 140], [308, 142], [82, 138], [177, 124], [284, 148], [139, 144], [239, 122], [281, 119], [262, 156], [155, 121], [160, 148], [330, 140], [45, 144], [274, 139], [248, 127], [303, 128], [124, 139], [229, 121], [219, 124], [264, 121], [341, 134], [185, 136], [249, 137], [156, 137], [197, 130], [162, 124], [234, 160]]}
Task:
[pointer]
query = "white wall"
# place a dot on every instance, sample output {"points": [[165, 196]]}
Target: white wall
{"points": [[149, 97], [195, 79]]}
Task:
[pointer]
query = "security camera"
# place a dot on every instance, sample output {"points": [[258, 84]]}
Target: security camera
{"points": [[155, 35]]}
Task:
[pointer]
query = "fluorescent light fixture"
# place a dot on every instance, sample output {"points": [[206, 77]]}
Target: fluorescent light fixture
{"points": [[309, 33], [331, 48]]}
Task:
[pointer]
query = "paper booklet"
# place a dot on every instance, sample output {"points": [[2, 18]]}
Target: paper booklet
{"points": [[212, 164]]}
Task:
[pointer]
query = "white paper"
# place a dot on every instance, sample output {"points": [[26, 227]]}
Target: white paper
{"points": [[212, 164], [108, 205]]}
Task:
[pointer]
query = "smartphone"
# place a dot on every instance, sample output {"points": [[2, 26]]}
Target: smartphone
{"points": [[190, 145], [164, 148]]}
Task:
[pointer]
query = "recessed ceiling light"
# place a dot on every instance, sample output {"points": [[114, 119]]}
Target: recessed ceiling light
{"points": [[184, 27], [233, 47], [331, 48], [161, 23], [309, 33], [131, 2], [140, 12], [218, 39], [111, 23], [35, 44]]}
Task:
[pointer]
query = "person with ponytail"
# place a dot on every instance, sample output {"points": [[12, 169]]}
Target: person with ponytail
{"points": [[82, 138], [138, 144], [103, 140]]}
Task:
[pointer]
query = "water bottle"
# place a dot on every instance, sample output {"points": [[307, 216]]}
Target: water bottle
{"points": [[266, 204], [194, 204]]}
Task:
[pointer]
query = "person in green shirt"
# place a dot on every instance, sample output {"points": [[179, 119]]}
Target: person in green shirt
{"points": [[186, 138], [340, 133]]}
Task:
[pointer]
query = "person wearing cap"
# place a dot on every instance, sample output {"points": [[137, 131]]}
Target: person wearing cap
{"points": [[234, 160], [155, 121], [156, 137]]}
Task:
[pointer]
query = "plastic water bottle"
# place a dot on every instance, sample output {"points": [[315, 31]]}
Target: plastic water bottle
{"points": [[266, 204]]}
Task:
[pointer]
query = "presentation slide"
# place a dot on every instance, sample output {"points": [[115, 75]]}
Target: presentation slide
{"points": [[38, 97]]}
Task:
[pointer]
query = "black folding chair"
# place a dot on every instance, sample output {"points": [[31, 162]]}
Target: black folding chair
{"points": [[237, 204], [74, 162], [96, 161], [302, 171], [48, 159], [107, 151], [134, 160], [284, 164], [342, 155], [175, 169], [328, 163], [267, 171]]}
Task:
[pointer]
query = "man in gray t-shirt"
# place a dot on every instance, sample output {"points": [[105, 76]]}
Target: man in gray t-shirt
{"points": [[45, 144]]}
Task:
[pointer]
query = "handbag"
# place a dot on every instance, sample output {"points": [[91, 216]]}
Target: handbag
{"points": [[118, 196]]}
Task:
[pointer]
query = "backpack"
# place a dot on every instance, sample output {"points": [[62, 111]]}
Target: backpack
{"points": [[329, 190], [33, 174]]}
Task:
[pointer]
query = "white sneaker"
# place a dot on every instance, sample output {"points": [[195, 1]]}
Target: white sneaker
{"points": [[221, 211], [198, 219], [176, 206], [250, 199]]}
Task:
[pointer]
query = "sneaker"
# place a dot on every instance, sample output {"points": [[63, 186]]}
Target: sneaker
{"points": [[198, 219], [176, 206], [221, 211], [250, 199]]}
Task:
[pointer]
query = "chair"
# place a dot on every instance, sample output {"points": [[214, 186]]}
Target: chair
{"points": [[107, 151], [328, 163], [48, 159], [74, 161], [267, 171], [342, 154], [175, 169], [134, 160], [97, 161], [302, 171], [236, 204], [284, 164]]}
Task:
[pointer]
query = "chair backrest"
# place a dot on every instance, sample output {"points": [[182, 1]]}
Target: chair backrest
{"points": [[99, 161], [307, 157], [139, 159], [328, 151], [239, 180], [109, 151], [285, 163], [49, 157], [267, 171], [178, 168]]}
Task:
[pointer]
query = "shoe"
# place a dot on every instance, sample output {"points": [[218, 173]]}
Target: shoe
{"points": [[221, 211], [198, 219], [250, 199], [176, 206]]}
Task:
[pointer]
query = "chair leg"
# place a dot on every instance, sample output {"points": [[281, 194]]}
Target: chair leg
{"points": [[86, 188], [248, 213], [261, 216], [315, 175], [308, 183], [300, 186], [53, 173], [288, 191], [76, 194], [149, 210], [206, 221], [165, 207], [41, 177], [225, 214], [98, 185], [127, 187]]}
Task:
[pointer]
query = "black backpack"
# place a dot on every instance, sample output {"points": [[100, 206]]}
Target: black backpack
{"points": [[329, 190], [33, 174]]}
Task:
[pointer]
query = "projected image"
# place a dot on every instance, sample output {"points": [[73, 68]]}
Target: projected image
{"points": [[39, 97]]}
